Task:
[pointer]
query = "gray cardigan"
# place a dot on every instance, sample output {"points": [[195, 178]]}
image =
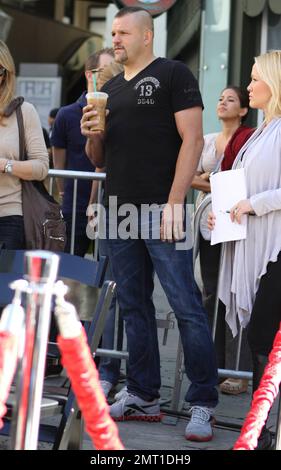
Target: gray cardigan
{"points": [[244, 262]]}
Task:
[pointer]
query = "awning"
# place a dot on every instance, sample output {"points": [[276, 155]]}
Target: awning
{"points": [[255, 7], [37, 39]]}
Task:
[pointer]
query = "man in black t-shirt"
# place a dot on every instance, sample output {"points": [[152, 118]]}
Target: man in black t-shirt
{"points": [[151, 148]]}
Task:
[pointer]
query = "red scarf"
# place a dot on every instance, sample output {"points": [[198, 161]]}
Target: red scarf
{"points": [[240, 136]]}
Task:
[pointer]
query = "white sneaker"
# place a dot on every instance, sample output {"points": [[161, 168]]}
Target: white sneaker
{"points": [[106, 387], [199, 427], [120, 394], [131, 407]]}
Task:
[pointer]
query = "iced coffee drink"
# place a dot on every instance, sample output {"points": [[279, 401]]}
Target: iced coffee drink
{"points": [[99, 100]]}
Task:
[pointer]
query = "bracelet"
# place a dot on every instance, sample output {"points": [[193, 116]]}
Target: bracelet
{"points": [[8, 167]]}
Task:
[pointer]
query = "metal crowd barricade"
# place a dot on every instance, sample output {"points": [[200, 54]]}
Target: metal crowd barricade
{"points": [[167, 323], [77, 175], [93, 176], [223, 373]]}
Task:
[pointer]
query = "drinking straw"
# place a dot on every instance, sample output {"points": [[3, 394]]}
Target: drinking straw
{"points": [[89, 81], [94, 81]]}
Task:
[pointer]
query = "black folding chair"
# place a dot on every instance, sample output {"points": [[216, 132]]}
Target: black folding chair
{"points": [[85, 278]]}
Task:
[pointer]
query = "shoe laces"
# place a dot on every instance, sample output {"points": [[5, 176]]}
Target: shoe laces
{"points": [[200, 415], [124, 397]]}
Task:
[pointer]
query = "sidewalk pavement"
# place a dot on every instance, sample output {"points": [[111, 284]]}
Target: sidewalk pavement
{"points": [[169, 434]]}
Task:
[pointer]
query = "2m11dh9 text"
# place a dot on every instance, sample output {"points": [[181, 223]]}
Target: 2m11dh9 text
{"points": [[141, 459]]}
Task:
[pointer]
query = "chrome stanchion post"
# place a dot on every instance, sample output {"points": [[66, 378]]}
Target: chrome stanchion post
{"points": [[96, 242], [73, 223], [216, 306], [41, 269], [278, 424], [238, 353]]}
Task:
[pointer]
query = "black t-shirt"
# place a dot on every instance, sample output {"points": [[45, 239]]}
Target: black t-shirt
{"points": [[142, 142]]}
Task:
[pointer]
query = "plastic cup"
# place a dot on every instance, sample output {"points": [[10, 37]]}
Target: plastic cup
{"points": [[98, 99]]}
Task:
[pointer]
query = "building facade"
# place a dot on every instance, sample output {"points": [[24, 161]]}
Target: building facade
{"points": [[218, 40]]}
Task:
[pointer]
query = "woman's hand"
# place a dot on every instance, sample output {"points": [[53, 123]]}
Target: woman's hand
{"points": [[3, 162], [211, 221], [205, 176], [241, 208]]}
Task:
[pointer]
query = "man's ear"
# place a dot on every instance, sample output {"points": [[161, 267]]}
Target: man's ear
{"points": [[148, 36]]}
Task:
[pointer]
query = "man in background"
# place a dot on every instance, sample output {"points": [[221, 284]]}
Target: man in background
{"points": [[68, 145]]}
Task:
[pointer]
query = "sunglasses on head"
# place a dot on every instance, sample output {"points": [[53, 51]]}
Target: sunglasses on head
{"points": [[2, 71], [96, 70]]}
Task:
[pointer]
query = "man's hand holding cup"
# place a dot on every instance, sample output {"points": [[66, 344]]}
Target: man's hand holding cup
{"points": [[89, 121]]}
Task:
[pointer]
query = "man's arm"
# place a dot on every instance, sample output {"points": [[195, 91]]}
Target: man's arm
{"points": [[95, 145], [95, 187], [189, 125], [59, 158]]}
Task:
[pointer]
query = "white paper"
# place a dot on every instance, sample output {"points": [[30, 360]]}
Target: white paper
{"points": [[228, 188]]}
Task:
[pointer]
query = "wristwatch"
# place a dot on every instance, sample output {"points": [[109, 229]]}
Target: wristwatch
{"points": [[8, 167]]}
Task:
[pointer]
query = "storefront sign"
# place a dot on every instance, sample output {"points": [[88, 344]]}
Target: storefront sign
{"points": [[43, 93], [155, 7]]}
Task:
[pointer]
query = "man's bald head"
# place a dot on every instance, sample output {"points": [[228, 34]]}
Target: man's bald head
{"points": [[142, 16]]}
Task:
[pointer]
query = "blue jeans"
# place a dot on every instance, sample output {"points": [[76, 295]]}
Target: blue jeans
{"points": [[109, 368], [12, 232], [133, 262]]}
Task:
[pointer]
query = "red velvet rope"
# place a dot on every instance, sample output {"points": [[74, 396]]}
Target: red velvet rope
{"points": [[82, 372], [262, 400], [8, 362]]}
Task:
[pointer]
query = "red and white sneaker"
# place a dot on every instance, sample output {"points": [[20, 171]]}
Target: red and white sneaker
{"points": [[199, 427], [130, 407], [120, 394]]}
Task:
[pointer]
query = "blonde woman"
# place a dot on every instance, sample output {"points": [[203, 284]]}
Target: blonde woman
{"points": [[12, 171], [251, 269], [219, 151]]}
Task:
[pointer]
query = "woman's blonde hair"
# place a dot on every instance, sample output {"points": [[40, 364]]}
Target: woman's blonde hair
{"points": [[269, 69], [8, 84]]}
